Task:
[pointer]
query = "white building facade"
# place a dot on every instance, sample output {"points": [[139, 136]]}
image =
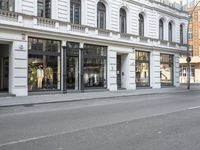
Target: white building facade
{"points": [[80, 45]]}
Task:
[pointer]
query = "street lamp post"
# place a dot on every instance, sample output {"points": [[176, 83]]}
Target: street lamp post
{"points": [[188, 59]]}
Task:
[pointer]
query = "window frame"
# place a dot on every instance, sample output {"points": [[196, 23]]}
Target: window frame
{"points": [[161, 29], [74, 4], [101, 15], [46, 8], [7, 5], [123, 20]]}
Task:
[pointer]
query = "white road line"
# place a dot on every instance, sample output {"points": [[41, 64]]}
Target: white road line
{"points": [[195, 107], [34, 138]]}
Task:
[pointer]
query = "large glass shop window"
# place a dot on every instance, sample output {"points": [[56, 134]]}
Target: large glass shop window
{"points": [[142, 69], [95, 66], [43, 64], [166, 69]]}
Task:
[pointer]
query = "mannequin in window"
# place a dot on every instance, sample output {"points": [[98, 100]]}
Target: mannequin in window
{"points": [[40, 76], [49, 76]]}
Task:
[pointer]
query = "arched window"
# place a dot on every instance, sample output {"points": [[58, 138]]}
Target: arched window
{"points": [[141, 25], [123, 21], [75, 11], [170, 32], [181, 34], [101, 16], [161, 29]]}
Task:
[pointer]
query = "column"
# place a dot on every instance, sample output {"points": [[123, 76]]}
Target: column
{"points": [[63, 66], [18, 68], [155, 69], [176, 70], [112, 68]]}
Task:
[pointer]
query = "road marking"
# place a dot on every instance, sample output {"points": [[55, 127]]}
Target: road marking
{"points": [[34, 138], [195, 107]]}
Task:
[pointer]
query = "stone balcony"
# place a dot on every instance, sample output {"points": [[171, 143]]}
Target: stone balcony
{"points": [[26, 22]]}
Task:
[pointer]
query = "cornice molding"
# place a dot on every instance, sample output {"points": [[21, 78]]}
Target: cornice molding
{"points": [[158, 9]]}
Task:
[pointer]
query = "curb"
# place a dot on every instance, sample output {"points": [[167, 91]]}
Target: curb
{"points": [[88, 99]]}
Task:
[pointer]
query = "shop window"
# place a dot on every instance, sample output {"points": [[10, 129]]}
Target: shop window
{"points": [[43, 65], [166, 69], [95, 66], [75, 11], [44, 8], [7, 5], [142, 68], [101, 16]]}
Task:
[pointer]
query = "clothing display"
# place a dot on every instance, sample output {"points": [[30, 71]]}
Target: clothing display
{"points": [[40, 76], [49, 76]]}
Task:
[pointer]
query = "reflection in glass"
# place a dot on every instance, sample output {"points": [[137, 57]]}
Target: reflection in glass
{"points": [[72, 73], [142, 69], [43, 65], [44, 72], [95, 66], [166, 69]]}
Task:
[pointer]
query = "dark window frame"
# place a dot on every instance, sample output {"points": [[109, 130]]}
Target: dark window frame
{"points": [[161, 29], [5, 5], [123, 20], [43, 53], [44, 8], [181, 34], [101, 15], [170, 32], [141, 25], [75, 9]]}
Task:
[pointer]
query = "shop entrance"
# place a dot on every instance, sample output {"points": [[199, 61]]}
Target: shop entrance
{"points": [[72, 73], [4, 68], [119, 80], [71, 67]]}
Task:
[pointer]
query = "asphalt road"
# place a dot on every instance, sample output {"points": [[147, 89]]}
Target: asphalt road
{"points": [[153, 122]]}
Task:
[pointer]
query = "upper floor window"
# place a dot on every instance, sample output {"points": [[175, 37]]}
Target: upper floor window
{"points": [[161, 29], [44, 8], [101, 16], [123, 21], [75, 11], [170, 32], [181, 34], [190, 33], [141, 25], [7, 5]]}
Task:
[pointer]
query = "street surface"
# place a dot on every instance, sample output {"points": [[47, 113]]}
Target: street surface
{"points": [[146, 122]]}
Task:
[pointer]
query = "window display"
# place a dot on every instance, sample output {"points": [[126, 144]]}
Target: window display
{"points": [[44, 66], [95, 66], [142, 68], [166, 69]]}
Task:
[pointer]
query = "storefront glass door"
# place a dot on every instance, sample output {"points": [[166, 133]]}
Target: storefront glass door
{"points": [[72, 73]]}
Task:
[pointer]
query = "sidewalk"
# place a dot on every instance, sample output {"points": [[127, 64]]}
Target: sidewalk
{"points": [[56, 98]]}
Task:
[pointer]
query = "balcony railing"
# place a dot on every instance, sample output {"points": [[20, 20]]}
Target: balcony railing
{"points": [[77, 28], [30, 22], [8, 16], [46, 22], [104, 33]]}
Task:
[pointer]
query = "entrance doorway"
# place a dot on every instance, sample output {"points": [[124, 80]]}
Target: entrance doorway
{"points": [[72, 73], [4, 68], [119, 80]]}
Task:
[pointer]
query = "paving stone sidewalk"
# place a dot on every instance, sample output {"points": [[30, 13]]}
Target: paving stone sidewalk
{"points": [[56, 98]]}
